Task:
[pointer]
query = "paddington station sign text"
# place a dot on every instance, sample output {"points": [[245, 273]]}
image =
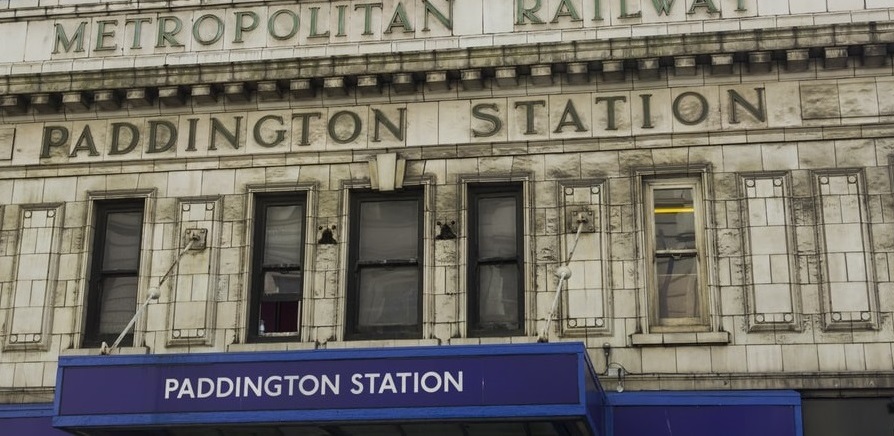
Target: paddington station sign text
{"points": [[554, 117]]}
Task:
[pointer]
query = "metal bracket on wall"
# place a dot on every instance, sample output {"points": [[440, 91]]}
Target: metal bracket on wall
{"points": [[574, 215], [199, 238]]}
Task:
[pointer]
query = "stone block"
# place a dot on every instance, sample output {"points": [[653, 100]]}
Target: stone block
{"points": [[237, 92], [269, 91], [471, 80], [760, 62], [721, 64], [835, 57], [172, 96], [14, 104], [107, 99], [542, 75], [578, 73], [437, 81], [875, 55], [140, 97], [369, 85], [684, 66], [46, 103], [506, 77], [204, 94], [302, 89], [797, 60], [613, 71]]}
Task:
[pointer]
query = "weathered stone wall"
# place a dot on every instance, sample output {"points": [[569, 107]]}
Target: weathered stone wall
{"points": [[32, 45], [769, 179], [794, 158]]}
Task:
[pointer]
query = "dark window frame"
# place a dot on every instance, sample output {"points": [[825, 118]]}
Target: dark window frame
{"points": [[477, 192], [698, 253], [93, 312], [256, 290], [352, 329]]}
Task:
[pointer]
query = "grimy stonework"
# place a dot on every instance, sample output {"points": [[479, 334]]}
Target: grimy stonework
{"points": [[276, 130], [328, 23], [447, 217]]}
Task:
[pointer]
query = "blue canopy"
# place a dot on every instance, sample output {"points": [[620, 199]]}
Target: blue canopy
{"points": [[548, 389]]}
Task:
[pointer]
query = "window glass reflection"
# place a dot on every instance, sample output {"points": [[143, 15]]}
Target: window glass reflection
{"points": [[118, 304], [122, 241], [498, 296], [282, 235], [389, 296], [677, 279], [279, 316], [389, 230], [287, 282], [674, 219], [496, 223]]}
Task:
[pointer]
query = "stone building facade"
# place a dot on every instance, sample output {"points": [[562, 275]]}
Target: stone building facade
{"points": [[715, 174]]}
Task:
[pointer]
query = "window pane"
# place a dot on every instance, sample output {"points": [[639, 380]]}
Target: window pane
{"points": [[495, 429], [282, 235], [674, 219], [497, 234], [369, 430], [677, 287], [847, 416], [279, 316], [388, 296], [118, 304], [498, 296], [389, 230], [122, 241], [433, 429], [282, 282]]}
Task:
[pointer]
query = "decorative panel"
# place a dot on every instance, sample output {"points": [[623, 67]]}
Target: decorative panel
{"points": [[771, 276], [586, 297], [194, 280], [849, 300], [34, 277]]}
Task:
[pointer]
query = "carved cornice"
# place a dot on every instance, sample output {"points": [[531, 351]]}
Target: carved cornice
{"points": [[866, 45]]}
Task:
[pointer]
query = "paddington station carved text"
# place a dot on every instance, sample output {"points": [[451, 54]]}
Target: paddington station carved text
{"points": [[486, 120]]}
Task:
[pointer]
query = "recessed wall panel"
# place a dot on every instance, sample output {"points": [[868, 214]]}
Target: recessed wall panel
{"points": [[849, 299], [586, 298], [771, 276], [35, 277]]}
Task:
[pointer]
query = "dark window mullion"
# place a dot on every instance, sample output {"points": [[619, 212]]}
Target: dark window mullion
{"points": [[483, 202], [106, 213], [389, 262], [677, 254], [281, 267], [498, 260], [118, 273], [687, 253], [274, 298], [377, 219], [287, 210]]}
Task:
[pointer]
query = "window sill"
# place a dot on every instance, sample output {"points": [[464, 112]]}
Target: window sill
{"points": [[271, 346], [657, 339], [491, 340], [381, 343], [96, 351]]}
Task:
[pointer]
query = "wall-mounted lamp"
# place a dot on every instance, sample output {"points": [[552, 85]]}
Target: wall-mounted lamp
{"points": [[613, 367], [621, 373], [326, 236], [445, 232]]}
